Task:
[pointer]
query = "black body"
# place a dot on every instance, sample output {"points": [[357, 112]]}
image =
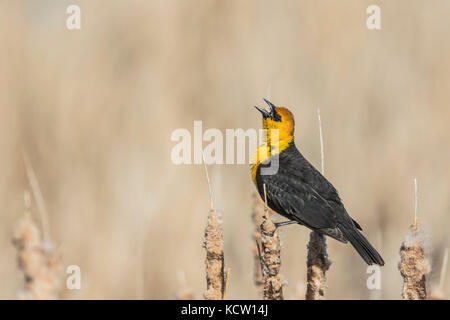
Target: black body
{"points": [[301, 193]]}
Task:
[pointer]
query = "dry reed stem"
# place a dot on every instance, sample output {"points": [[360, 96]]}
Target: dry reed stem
{"points": [[214, 257], [257, 218], [317, 263], [35, 188], [271, 251], [213, 243], [36, 259], [413, 266]]}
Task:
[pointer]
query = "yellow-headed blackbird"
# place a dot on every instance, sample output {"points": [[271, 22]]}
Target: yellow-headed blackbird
{"points": [[297, 191]]}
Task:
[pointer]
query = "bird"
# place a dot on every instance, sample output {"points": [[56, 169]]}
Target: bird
{"points": [[296, 190]]}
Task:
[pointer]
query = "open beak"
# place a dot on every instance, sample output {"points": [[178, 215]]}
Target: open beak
{"points": [[271, 105], [264, 112]]}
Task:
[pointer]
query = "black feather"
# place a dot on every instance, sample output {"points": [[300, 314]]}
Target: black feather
{"points": [[362, 246], [299, 192]]}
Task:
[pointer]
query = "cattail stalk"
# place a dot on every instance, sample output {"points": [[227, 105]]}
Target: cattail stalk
{"points": [[271, 251], [213, 243], [215, 279], [39, 199], [318, 264], [317, 260], [37, 259], [257, 218], [413, 265]]}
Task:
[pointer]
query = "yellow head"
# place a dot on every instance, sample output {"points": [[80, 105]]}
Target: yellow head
{"points": [[279, 123], [279, 119]]}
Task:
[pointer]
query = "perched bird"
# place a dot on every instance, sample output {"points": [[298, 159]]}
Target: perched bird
{"points": [[297, 191]]}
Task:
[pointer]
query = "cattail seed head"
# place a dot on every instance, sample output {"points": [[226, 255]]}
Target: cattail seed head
{"points": [[271, 251], [213, 244], [413, 266], [318, 264], [37, 260]]}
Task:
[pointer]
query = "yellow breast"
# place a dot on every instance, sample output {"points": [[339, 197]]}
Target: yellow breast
{"points": [[265, 151], [261, 155]]}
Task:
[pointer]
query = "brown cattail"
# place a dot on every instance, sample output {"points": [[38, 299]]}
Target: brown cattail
{"points": [[36, 259], [317, 263], [257, 218], [213, 243], [271, 251], [413, 266]]}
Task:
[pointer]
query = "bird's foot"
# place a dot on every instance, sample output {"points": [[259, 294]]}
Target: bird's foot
{"points": [[284, 223]]}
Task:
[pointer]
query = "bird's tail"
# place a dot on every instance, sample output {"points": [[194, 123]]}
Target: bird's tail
{"points": [[364, 248]]}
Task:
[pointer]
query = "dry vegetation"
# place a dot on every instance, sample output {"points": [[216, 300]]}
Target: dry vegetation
{"points": [[413, 267], [215, 274], [95, 109], [37, 259], [270, 257], [317, 260], [318, 264], [257, 219]]}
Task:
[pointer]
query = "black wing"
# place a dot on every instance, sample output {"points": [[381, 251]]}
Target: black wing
{"points": [[299, 192]]}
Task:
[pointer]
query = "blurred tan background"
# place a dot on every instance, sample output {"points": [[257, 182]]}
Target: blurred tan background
{"points": [[95, 108]]}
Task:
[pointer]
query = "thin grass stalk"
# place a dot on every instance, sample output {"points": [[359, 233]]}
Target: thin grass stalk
{"points": [[413, 264], [257, 219], [39, 199], [317, 260]]}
